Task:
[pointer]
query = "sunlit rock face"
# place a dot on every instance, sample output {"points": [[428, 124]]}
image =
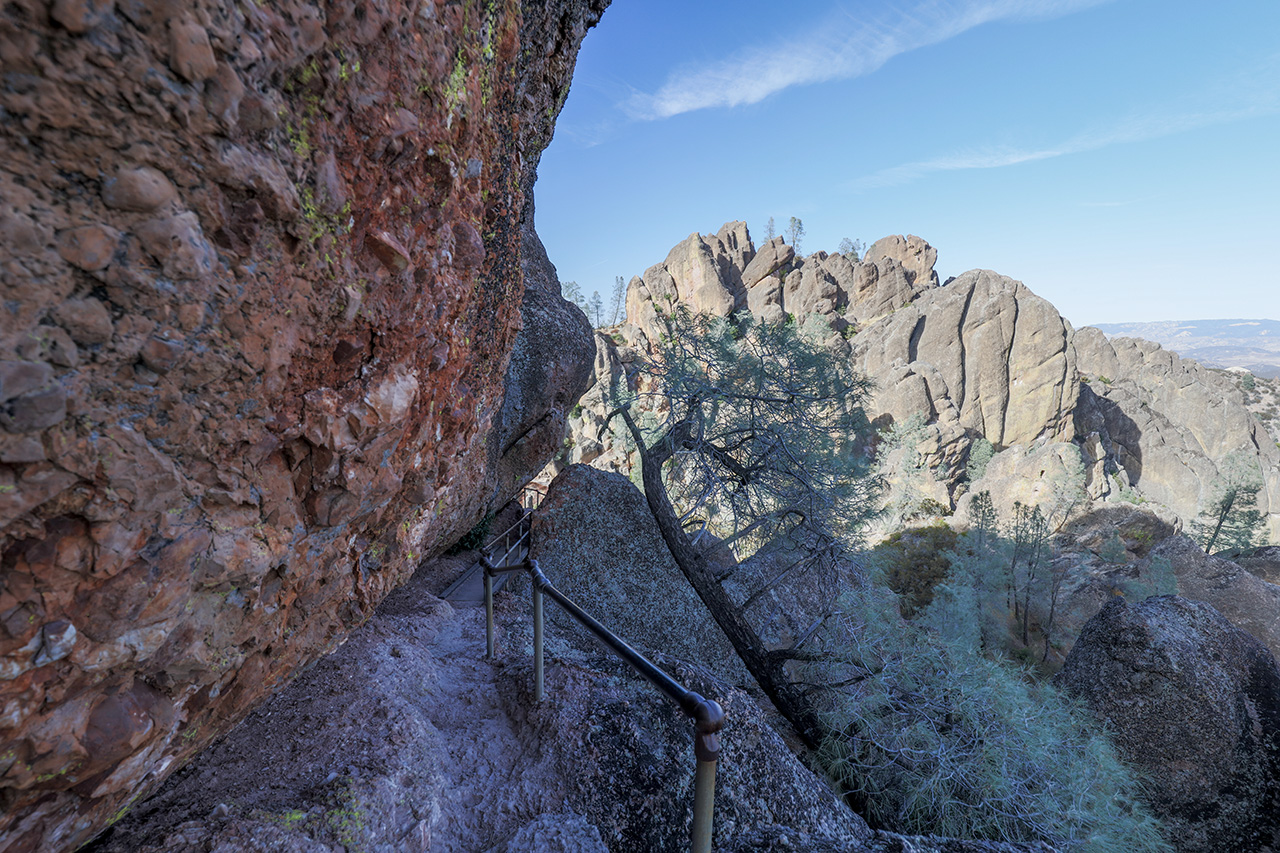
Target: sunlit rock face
{"points": [[977, 356], [263, 272], [1169, 422]]}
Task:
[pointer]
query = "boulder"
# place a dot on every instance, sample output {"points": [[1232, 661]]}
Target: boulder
{"points": [[982, 356], [550, 368], [1262, 562], [596, 540], [1249, 602], [1194, 704], [771, 259], [914, 255]]}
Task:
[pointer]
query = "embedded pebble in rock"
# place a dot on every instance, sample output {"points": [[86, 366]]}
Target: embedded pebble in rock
{"points": [[90, 247], [247, 387], [87, 320], [179, 244], [80, 16], [143, 189], [191, 57]]}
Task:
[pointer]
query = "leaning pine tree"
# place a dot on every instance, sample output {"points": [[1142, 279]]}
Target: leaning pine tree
{"points": [[760, 428], [754, 432], [1231, 518]]}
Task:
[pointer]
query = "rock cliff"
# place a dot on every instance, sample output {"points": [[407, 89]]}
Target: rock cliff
{"points": [[980, 357], [264, 274]]}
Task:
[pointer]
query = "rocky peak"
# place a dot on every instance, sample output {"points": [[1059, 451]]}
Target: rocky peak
{"points": [[981, 357]]}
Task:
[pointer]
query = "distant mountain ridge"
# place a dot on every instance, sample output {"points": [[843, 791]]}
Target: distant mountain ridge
{"points": [[1252, 344]]}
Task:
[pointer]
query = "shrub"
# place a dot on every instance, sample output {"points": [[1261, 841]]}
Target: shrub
{"points": [[980, 453], [913, 562], [474, 537], [928, 736]]}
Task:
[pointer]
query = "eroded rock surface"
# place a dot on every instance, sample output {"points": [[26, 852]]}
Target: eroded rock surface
{"points": [[1168, 422], [1193, 703], [262, 273], [978, 357]]}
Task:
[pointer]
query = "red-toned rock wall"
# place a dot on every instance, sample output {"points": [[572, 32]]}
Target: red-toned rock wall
{"points": [[261, 277]]}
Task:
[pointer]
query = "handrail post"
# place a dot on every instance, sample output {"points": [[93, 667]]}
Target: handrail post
{"points": [[537, 642], [488, 612], [706, 746]]}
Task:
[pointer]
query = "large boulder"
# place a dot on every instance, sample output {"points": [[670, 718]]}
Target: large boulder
{"points": [[596, 540], [1249, 602], [1194, 704], [262, 270], [988, 355]]}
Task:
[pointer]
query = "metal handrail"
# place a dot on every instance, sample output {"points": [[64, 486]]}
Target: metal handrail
{"points": [[707, 714]]}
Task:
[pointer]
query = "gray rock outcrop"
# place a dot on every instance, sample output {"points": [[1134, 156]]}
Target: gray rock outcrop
{"points": [[980, 356], [1194, 704], [1167, 422], [596, 540]]}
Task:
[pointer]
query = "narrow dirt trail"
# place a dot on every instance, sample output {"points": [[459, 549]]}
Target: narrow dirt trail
{"points": [[492, 782]]}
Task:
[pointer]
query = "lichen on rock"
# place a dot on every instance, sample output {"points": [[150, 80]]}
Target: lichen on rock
{"points": [[263, 276]]}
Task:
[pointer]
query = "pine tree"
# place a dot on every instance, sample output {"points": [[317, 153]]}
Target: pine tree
{"points": [[618, 301], [761, 427], [795, 233], [595, 309], [1231, 518]]}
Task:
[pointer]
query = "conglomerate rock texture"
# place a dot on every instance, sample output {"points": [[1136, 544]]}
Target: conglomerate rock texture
{"points": [[262, 279]]}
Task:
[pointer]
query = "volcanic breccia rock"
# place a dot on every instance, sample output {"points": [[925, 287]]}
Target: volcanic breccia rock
{"points": [[980, 356], [264, 271]]}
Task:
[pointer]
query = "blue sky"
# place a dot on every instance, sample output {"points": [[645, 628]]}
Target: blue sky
{"points": [[1120, 157]]}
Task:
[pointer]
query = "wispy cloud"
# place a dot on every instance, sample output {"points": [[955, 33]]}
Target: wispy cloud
{"points": [[1140, 128], [839, 47]]}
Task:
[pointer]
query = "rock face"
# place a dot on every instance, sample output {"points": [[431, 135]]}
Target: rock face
{"points": [[1168, 422], [262, 272], [980, 356], [596, 540], [1193, 703]]}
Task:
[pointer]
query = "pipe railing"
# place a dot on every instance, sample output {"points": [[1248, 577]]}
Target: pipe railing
{"points": [[707, 714]]}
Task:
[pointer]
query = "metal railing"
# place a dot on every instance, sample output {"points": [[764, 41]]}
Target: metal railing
{"points": [[707, 714]]}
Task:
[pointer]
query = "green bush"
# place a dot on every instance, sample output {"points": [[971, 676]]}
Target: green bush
{"points": [[474, 537], [929, 736], [980, 453], [914, 561]]}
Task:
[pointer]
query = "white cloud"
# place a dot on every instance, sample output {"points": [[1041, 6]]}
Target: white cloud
{"points": [[837, 48], [1133, 129]]}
